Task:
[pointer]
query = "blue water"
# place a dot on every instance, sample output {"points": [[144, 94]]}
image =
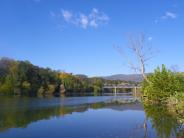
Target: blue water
{"points": [[75, 117]]}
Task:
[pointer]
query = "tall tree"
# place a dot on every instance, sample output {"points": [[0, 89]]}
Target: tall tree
{"points": [[142, 52]]}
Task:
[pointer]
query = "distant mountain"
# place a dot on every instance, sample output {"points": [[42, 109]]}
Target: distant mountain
{"points": [[125, 77]]}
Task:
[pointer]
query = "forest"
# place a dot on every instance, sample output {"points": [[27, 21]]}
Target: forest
{"points": [[24, 78]]}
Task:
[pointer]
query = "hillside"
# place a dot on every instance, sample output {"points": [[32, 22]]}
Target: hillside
{"points": [[125, 77]]}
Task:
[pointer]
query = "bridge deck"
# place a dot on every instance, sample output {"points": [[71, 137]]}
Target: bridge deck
{"points": [[115, 87], [123, 87]]}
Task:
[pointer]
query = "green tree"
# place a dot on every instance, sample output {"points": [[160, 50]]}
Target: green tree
{"points": [[163, 84], [6, 87], [71, 83], [97, 84], [21, 77]]}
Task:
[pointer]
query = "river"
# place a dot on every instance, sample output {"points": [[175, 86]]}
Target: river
{"points": [[85, 117]]}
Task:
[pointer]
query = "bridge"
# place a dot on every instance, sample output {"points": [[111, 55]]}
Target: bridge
{"points": [[122, 86]]}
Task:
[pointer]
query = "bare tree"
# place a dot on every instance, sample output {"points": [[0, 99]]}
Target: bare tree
{"points": [[142, 51]]}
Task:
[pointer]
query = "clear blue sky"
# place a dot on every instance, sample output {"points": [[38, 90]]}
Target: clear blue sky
{"points": [[78, 35]]}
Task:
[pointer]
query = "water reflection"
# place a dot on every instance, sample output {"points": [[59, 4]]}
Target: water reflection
{"points": [[19, 112], [166, 124], [76, 117]]}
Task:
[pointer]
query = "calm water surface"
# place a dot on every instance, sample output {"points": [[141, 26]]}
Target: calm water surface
{"points": [[84, 117]]}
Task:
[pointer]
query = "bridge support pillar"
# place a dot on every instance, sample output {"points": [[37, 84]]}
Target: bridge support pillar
{"points": [[135, 91], [115, 91]]}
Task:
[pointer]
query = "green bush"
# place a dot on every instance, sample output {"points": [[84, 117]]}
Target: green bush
{"points": [[162, 84]]}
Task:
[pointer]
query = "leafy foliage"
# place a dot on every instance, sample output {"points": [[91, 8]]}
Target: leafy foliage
{"points": [[24, 78], [163, 84], [21, 77]]}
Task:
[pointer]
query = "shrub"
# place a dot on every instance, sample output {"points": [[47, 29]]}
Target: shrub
{"points": [[162, 84]]}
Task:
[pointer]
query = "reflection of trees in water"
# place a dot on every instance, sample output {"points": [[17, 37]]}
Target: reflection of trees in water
{"points": [[181, 127], [165, 123], [21, 117], [139, 127]]}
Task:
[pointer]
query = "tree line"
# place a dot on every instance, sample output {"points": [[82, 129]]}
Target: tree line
{"points": [[24, 78]]}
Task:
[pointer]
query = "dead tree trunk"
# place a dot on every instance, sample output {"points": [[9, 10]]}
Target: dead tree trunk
{"points": [[141, 51]]}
